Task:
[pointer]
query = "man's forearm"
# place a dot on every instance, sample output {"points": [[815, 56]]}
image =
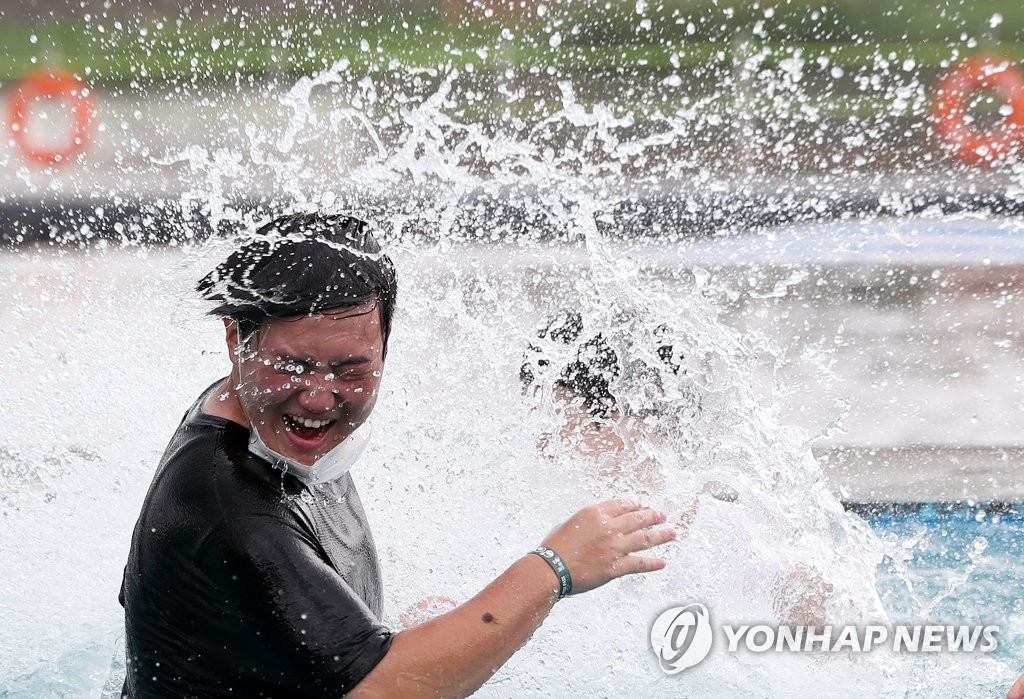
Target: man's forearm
{"points": [[454, 654]]}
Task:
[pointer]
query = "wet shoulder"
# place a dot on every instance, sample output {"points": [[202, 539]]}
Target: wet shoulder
{"points": [[208, 477]]}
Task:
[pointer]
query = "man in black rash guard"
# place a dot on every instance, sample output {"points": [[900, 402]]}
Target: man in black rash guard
{"points": [[228, 554], [252, 572]]}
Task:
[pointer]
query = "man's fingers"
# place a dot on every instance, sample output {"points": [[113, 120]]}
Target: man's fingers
{"points": [[618, 506], [641, 564], [647, 538], [629, 522]]}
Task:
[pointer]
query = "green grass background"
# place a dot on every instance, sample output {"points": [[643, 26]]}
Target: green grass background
{"points": [[127, 44]]}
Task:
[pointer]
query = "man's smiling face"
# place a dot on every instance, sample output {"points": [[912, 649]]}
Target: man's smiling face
{"points": [[307, 382]]}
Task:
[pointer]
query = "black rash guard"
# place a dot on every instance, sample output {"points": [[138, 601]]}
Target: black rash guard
{"points": [[244, 582]]}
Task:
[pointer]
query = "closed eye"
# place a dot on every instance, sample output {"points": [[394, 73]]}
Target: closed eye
{"points": [[288, 365], [347, 370]]}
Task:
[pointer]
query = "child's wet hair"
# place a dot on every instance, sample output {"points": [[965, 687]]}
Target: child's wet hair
{"points": [[590, 375]]}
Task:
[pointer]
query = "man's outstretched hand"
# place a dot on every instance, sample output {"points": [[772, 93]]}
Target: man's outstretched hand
{"points": [[599, 543]]}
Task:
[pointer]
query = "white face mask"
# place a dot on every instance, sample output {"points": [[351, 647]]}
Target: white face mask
{"points": [[331, 466]]}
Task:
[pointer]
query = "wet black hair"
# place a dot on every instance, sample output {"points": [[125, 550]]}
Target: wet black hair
{"points": [[302, 263], [596, 366]]}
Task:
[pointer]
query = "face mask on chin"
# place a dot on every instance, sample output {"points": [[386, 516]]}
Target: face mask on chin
{"points": [[331, 466]]}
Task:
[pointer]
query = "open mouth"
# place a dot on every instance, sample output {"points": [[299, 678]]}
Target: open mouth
{"points": [[307, 430]]}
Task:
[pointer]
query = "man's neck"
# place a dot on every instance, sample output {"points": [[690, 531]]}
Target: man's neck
{"points": [[223, 402]]}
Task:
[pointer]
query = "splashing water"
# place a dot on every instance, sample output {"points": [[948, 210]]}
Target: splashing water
{"points": [[493, 230]]}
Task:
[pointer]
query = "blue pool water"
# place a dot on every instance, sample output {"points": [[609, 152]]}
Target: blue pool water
{"points": [[954, 562]]}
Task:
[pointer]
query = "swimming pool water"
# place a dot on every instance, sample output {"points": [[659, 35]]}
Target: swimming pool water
{"points": [[948, 563], [952, 562]]}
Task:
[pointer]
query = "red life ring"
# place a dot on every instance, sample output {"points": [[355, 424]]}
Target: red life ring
{"points": [[949, 110], [52, 85]]}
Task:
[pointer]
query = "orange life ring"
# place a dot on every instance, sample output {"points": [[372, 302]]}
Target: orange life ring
{"points": [[949, 110], [52, 85]]}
